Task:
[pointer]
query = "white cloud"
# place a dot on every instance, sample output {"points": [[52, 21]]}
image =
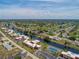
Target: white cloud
{"points": [[46, 0], [33, 13]]}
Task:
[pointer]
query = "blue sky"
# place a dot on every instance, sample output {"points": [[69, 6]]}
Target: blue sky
{"points": [[39, 9]]}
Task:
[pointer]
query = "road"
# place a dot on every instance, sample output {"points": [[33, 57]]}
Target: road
{"points": [[45, 54], [28, 53]]}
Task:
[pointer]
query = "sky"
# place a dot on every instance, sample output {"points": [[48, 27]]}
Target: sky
{"points": [[39, 9]]}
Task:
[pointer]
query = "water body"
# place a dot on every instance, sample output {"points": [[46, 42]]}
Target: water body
{"points": [[51, 43], [59, 45], [63, 46]]}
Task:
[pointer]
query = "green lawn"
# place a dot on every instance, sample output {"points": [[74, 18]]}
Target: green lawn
{"points": [[17, 57]]}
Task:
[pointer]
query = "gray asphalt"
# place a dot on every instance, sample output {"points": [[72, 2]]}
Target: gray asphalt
{"points": [[46, 55]]}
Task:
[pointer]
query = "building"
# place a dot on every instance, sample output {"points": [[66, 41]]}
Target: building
{"points": [[54, 37], [70, 55], [32, 44]]}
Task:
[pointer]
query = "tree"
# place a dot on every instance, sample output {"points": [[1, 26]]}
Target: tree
{"points": [[66, 45], [72, 38], [46, 39]]}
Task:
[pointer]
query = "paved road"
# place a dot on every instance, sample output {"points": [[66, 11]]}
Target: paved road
{"points": [[46, 55], [28, 53]]}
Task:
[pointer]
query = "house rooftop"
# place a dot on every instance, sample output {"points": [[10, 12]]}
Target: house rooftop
{"points": [[7, 45], [70, 54]]}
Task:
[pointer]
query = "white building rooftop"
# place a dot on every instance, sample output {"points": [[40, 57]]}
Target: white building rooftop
{"points": [[7, 46]]}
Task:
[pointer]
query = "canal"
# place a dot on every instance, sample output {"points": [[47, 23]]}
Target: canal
{"points": [[52, 43]]}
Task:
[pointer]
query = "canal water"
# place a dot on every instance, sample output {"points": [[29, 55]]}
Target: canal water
{"points": [[63, 47], [53, 44]]}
